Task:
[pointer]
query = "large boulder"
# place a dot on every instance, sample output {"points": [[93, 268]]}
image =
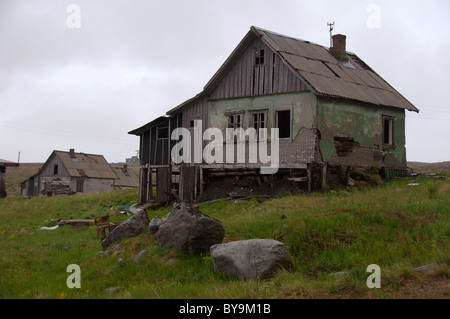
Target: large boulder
{"points": [[189, 230], [251, 259], [129, 228], [154, 225]]}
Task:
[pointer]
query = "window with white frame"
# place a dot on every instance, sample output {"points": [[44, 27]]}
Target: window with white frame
{"points": [[388, 130]]}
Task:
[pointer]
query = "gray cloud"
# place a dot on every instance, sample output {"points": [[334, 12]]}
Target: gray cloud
{"points": [[133, 60]]}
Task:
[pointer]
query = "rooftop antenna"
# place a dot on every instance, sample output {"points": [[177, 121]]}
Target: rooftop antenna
{"points": [[331, 25]]}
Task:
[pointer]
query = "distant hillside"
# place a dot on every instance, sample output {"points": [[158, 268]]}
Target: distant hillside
{"points": [[16, 175], [439, 167]]}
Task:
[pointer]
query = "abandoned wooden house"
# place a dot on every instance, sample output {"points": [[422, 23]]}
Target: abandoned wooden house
{"points": [[66, 173], [3, 165], [332, 110]]}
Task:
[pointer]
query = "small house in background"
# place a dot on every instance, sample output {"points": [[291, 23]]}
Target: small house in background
{"points": [[126, 177], [334, 113], [66, 173], [3, 165]]}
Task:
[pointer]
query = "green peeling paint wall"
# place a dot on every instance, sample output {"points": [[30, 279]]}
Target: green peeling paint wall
{"points": [[329, 117], [363, 123], [303, 107], [302, 146]]}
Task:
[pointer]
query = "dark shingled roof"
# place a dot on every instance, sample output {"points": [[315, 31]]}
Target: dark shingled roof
{"points": [[328, 76], [319, 69]]}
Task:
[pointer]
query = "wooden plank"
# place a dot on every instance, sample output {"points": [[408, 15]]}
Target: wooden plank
{"points": [[324, 175], [298, 179], [164, 184], [194, 195], [149, 186]]}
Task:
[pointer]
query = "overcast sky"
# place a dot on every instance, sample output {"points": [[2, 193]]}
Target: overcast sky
{"points": [[84, 83]]}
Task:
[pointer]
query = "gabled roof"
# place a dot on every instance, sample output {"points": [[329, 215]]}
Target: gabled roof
{"points": [[145, 127], [126, 177], [85, 165], [319, 69]]}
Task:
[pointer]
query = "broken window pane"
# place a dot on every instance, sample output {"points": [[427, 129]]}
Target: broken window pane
{"points": [[284, 123]]}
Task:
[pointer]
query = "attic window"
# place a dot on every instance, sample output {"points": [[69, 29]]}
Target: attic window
{"points": [[259, 57], [162, 133], [55, 169]]}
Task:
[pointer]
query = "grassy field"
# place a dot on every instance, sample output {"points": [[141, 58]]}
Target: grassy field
{"points": [[332, 238]]}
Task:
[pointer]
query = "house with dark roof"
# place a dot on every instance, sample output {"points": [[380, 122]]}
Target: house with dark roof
{"points": [[66, 173], [332, 111]]}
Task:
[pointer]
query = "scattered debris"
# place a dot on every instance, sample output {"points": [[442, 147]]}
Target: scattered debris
{"points": [[424, 267], [77, 222], [49, 228], [413, 184]]}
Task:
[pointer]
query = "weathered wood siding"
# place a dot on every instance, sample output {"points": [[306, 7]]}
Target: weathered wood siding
{"points": [[246, 79], [47, 170]]}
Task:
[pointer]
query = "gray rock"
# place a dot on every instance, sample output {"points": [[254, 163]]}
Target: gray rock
{"points": [[251, 259], [189, 230], [129, 228], [153, 227], [141, 255], [122, 262]]}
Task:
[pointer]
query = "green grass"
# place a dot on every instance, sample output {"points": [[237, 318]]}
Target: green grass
{"points": [[392, 225]]}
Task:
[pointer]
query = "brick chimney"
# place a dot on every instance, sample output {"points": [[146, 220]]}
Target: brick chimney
{"points": [[338, 48], [72, 152]]}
